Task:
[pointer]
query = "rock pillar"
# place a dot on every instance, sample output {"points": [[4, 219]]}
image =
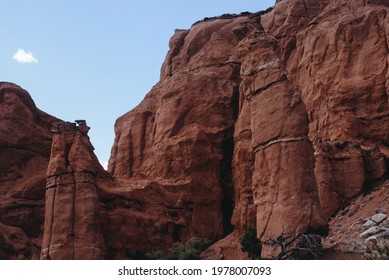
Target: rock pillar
{"points": [[72, 228]]}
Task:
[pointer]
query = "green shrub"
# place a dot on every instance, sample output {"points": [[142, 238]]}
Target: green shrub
{"points": [[155, 255], [251, 244], [189, 251]]}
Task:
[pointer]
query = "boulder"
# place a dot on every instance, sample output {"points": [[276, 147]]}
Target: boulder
{"points": [[378, 218]]}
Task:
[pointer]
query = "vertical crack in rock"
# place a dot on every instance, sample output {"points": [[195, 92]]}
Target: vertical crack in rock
{"points": [[226, 183], [72, 227], [226, 174], [226, 178]]}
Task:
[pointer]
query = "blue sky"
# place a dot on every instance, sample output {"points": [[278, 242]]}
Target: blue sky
{"points": [[95, 60]]}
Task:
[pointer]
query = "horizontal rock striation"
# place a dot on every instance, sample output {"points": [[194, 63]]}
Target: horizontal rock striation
{"points": [[72, 225]]}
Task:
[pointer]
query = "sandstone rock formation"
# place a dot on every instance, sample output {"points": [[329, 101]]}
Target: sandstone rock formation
{"points": [[182, 134], [301, 114], [173, 155], [72, 226], [26, 139], [325, 52], [273, 120], [25, 142]]}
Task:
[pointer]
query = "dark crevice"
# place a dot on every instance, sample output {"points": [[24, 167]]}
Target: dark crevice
{"points": [[227, 202], [176, 233], [130, 157], [227, 149]]}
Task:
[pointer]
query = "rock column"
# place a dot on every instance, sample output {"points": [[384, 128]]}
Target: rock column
{"points": [[72, 228], [283, 179]]}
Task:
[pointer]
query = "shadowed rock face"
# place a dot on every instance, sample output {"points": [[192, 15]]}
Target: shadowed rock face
{"points": [[25, 141], [272, 120]]}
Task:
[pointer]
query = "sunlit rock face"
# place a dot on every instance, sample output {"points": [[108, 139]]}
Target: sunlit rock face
{"points": [[272, 120]]}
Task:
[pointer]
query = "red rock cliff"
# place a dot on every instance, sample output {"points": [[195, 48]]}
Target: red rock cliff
{"points": [[25, 141], [336, 53], [271, 120]]}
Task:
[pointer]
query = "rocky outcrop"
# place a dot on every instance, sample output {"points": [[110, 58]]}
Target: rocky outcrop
{"points": [[284, 186], [72, 225], [301, 116], [25, 142], [325, 52], [223, 115], [30, 151], [172, 150]]}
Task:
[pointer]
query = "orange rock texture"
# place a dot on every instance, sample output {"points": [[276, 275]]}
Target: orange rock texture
{"points": [[273, 120]]}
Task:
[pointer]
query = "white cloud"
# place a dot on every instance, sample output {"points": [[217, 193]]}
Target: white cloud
{"points": [[22, 56]]}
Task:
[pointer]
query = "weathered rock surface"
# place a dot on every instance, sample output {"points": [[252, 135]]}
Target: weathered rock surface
{"points": [[350, 234], [14, 244], [26, 160], [25, 143], [72, 223], [284, 186], [273, 120], [378, 218], [336, 53], [302, 114], [219, 75], [175, 149], [228, 248]]}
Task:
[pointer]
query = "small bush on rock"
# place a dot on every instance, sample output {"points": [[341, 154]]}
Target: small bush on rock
{"points": [[189, 251], [251, 244]]}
